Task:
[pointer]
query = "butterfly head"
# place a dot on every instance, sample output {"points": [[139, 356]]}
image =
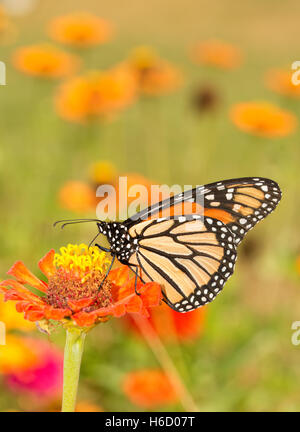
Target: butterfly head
{"points": [[121, 243]]}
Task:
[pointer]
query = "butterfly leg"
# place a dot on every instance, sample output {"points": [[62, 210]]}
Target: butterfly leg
{"points": [[136, 276], [102, 248]]}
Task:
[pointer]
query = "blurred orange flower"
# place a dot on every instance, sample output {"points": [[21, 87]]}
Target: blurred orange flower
{"points": [[80, 29], [95, 95], [72, 295], [127, 194], [135, 179], [8, 30], [77, 196], [45, 60], [280, 81], [3, 18], [103, 172], [84, 406], [217, 53], [154, 75], [16, 355], [149, 388], [12, 319], [263, 119], [173, 326]]}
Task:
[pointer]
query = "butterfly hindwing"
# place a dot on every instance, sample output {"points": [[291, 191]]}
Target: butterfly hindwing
{"points": [[191, 259]]}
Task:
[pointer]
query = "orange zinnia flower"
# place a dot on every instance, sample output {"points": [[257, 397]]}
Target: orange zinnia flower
{"points": [[95, 95], [72, 295], [45, 61], [77, 196], [171, 325], [154, 75], [80, 29], [149, 388], [263, 119], [217, 53], [280, 81]]}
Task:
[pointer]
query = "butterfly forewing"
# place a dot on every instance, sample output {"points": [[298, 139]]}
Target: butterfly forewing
{"points": [[238, 203], [242, 203]]}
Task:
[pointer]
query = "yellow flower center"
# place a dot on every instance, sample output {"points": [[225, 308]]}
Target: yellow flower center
{"points": [[81, 260], [80, 273]]}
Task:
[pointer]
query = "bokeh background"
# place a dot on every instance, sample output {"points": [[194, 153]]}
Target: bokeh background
{"points": [[180, 122]]}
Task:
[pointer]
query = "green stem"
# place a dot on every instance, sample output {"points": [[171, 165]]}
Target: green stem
{"points": [[72, 361]]}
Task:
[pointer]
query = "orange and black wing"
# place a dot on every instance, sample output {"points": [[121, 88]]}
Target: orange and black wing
{"points": [[188, 243], [238, 203], [191, 260]]}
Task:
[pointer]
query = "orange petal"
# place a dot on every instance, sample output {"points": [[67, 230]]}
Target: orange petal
{"points": [[46, 264], [24, 276], [57, 314], [34, 314], [151, 294], [118, 310], [17, 291], [85, 319], [134, 305], [77, 305], [21, 306], [120, 275], [124, 291]]}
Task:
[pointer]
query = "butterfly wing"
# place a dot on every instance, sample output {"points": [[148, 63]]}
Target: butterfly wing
{"points": [[188, 243], [239, 203], [191, 259]]}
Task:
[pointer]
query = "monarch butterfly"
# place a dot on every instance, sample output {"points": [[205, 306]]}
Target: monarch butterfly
{"points": [[192, 251]]}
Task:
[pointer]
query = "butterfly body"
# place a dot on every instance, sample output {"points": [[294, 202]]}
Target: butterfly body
{"points": [[191, 250], [121, 243]]}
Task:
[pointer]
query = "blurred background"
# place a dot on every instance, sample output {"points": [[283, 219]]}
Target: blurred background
{"points": [[165, 93]]}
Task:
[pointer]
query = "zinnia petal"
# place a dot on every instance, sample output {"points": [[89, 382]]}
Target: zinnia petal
{"points": [[120, 275], [77, 305], [24, 276], [34, 313], [85, 319], [134, 305], [46, 264], [17, 291], [151, 294], [57, 314]]}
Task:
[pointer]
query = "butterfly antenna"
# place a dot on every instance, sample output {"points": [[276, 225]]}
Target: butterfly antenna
{"points": [[92, 241], [65, 222]]}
